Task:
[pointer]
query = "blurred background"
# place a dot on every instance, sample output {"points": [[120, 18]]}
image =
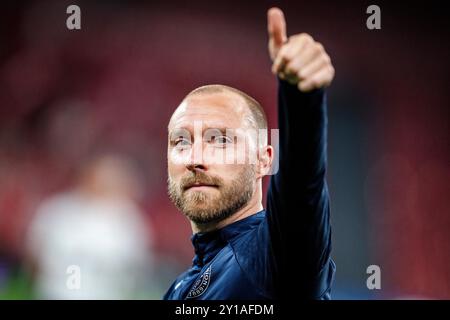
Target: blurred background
{"points": [[83, 118]]}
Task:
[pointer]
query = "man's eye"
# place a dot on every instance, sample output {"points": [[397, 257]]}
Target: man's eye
{"points": [[222, 140], [182, 142]]}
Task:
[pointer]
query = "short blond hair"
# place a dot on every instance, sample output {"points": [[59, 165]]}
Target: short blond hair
{"points": [[257, 118]]}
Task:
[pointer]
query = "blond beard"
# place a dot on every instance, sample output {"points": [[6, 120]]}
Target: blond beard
{"points": [[201, 207]]}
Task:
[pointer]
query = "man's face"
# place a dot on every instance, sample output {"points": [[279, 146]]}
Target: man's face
{"points": [[209, 175]]}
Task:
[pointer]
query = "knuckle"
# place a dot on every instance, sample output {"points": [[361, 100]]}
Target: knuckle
{"points": [[294, 37], [319, 47], [332, 71], [284, 52], [322, 60], [288, 56], [306, 37], [283, 55], [291, 68]]}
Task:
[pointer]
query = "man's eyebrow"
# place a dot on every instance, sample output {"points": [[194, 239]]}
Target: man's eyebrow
{"points": [[179, 130], [223, 130], [220, 129]]}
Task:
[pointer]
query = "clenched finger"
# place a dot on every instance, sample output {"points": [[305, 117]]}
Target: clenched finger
{"points": [[319, 79]]}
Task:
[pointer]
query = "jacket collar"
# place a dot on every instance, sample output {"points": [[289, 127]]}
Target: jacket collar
{"points": [[208, 244]]}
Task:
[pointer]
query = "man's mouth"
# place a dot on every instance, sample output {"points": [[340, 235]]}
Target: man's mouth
{"points": [[199, 186]]}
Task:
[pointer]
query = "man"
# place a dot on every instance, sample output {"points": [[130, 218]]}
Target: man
{"points": [[90, 242], [241, 250]]}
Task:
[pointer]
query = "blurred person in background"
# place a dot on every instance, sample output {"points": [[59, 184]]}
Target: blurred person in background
{"points": [[95, 232]]}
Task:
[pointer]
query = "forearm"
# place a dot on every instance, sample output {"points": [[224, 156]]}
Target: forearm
{"points": [[302, 123], [298, 202]]}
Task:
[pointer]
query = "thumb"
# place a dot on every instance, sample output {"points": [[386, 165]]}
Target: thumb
{"points": [[276, 27]]}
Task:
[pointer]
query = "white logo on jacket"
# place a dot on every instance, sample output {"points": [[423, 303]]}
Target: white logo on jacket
{"points": [[200, 285]]}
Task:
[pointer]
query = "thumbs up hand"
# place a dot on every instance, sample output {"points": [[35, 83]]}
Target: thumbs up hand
{"points": [[298, 59]]}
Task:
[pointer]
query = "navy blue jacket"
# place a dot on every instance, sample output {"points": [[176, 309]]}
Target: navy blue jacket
{"points": [[284, 250]]}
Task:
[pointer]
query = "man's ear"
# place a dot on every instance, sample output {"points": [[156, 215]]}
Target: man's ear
{"points": [[265, 159]]}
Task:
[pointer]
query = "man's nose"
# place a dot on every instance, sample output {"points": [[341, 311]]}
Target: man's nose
{"points": [[196, 159]]}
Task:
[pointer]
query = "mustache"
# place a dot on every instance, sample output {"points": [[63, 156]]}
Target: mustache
{"points": [[199, 178]]}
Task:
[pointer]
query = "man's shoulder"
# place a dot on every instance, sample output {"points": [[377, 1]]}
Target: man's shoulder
{"points": [[251, 253]]}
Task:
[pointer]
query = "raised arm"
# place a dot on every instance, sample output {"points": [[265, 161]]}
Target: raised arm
{"points": [[297, 201]]}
